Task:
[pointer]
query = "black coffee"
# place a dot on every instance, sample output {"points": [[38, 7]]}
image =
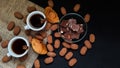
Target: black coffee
{"points": [[35, 20], [17, 46]]}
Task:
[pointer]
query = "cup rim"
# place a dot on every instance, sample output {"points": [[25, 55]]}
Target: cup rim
{"points": [[28, 20], [10, 51], [83, 22]]}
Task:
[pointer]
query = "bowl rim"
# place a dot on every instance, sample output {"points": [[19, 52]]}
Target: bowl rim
{"points": [[83, 22]]}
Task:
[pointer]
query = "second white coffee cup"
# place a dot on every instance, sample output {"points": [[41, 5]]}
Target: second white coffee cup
{"points": [[14, 44]]}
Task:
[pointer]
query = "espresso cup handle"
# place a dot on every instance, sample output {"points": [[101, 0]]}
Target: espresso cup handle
{"points": [[8, 54], [26, 27]]}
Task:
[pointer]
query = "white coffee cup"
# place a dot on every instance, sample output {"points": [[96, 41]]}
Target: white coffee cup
{"points": [[10, 49], [29, 25]]}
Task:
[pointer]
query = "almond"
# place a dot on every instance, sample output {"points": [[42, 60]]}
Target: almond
{"points": [[65, 44], [51, 54], [11, 25], [63, 51], [50, 3], [74, 46], [72, 62], [6, 59], [17, 30], [63, 10], [76, 7], [22, 59], [48, 60], [92, 38], [20, 66], [49, 39], [57, 34], [50, 47], [4, 44], [18, 15], [83, 50], [87, 18], [68, 55], [57, 43], [54, 27], [37, 63], [88, 44], [31, 9]]}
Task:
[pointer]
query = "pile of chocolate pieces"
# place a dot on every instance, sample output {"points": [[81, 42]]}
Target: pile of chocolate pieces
{"points": [[71, 29]]}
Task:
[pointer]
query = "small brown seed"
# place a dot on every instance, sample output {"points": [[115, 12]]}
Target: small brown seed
{"points": [[57, 43], [18, 15], [48, 26], [87, 18], [17, 30], [37, 63], [50, 47], [57, 34], [92, 38], [48, 60], [88, 44], [72, 62], [68, 55], [0, 38], [63, 10], [54, 27], [30, 39], [31, 9], [27, 32], [6, 59], [76, 7], [65, 44], [43, 34], [4, 44], [83, 50], [63, 51], [51, 54], [20, 66], [51, 3], [49, 39], [39, 37], [11, 25], [22, 59], [74, 46]]}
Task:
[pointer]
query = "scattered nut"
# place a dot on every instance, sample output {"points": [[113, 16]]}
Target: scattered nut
{"points": [[20, 66], [83, 50], [18, 15], [87, 18], [17, 30], [31, 9], [72, 62], [63, 51], [37, 63], [43, 34], [27, 32], [57, 43], [88, 44], [4, 44], [22, 59], [65, 44], [74, 46], [11, 25], [49, 39], [57, 34], [30, 39], [48, 26], [50, 3], [48, 60], [50, 47], [51, 54], [76, 7], [92, 38], [68, 55], [6, 59], [39, 37], [63, 10], [54, 27], [24, 19]]}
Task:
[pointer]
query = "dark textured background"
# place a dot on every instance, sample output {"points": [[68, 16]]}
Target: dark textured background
{"points": [[104, 23]]}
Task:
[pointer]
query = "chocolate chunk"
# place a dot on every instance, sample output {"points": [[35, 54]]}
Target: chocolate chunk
{"points": [[64, 23]]}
